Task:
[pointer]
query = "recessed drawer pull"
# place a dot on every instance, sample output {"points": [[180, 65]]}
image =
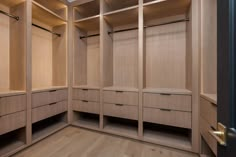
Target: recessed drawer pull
{"points": [[119, 91], [53, 103], [85, 89], [119, 104], [84, 101], [165, 110], [213, 104], [166, 94], [52, 91]]}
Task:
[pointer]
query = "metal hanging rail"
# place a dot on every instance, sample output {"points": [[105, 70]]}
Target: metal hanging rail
{"points": [[167, 23], [88, 36], [10, 15], [57, 34]]}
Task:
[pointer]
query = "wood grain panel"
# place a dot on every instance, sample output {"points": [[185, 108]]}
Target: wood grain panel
{"points": [[174, 102], [120, 111], [12, 104], [86, 106], [12, 122], [120, 97], [86, 94], [168, 117]]}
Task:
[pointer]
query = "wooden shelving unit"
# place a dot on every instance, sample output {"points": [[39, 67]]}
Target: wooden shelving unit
{"points": [[86, 120], [111, 5]]}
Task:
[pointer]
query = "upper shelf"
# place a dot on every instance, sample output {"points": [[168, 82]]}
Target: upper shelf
{"points": [[11, 3], [46, 16], [87, 10], [165, 8], [122, 17], [168, 91], [112, 5], [88, 24]]}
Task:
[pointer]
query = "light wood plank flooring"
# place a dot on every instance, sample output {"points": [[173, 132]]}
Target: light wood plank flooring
{"points": [[76, 142]]}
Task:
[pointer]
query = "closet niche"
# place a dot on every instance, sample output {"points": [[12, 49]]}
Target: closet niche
{"points": [[13, 78]]}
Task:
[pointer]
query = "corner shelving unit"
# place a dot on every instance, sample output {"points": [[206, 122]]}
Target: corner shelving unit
{"points": [[49, 66], [86, 63], [13, 76]]}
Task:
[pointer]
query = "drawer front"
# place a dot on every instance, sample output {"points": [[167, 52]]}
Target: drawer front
{"points": [[12, 122], [121, 111], [86, 106], [46, 111], [168, 117], [208, 111], [204, 129], [12, 104], [173, 102], [45, 98], [119, 97], [86, 94]]}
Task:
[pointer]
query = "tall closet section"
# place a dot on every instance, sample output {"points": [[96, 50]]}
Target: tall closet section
{"points": [[13, 75], [133, 70], [208, 102], [49, 67]]}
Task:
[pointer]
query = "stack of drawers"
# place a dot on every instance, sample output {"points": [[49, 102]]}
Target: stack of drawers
{"points": [[86, 100], [168, 109], [121, 104], [208, 122], [48, 104], [12, 113]]}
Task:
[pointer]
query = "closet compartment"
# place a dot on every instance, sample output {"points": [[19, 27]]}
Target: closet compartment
{"points": [[12, 142], [13, 53], [120, 50], [86, 120], [87, 10], [121, 126], [86, 106], [114, 5], [168, 136], [49, 47], [86, 94]]}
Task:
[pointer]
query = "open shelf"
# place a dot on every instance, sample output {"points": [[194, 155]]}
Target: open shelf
{"points": [[7, 92], [86, 10], [209, 51], [49, 88], [46, 16], [113, 5], [12, 141], [167, 48], [86, 120], [48, 126], [117, 88], [56, 6], [87, 53], [122, 127], [165, 8], [13, 52], [168, 136]]}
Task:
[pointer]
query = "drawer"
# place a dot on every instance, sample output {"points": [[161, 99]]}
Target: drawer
{"points": [[86, 106], [86, 94], [121, 111], [12, 104], [208, 111], [50, 110], [173, 102], [204, 129], [120, 97], [12, 122], [45, 98], [168, 117]]}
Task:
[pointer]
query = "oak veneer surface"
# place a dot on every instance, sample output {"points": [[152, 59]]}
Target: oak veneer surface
{"points": [[76, 142]]}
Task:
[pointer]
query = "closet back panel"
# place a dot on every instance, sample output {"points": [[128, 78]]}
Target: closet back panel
{"points": [[165, 48]]}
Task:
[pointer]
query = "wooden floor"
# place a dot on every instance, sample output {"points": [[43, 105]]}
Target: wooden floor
{"points": [[76, 142]]}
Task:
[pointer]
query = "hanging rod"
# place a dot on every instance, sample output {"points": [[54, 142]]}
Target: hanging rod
{"points": [[167, 23], [88, 36], [11, 16], [59, 35]]}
